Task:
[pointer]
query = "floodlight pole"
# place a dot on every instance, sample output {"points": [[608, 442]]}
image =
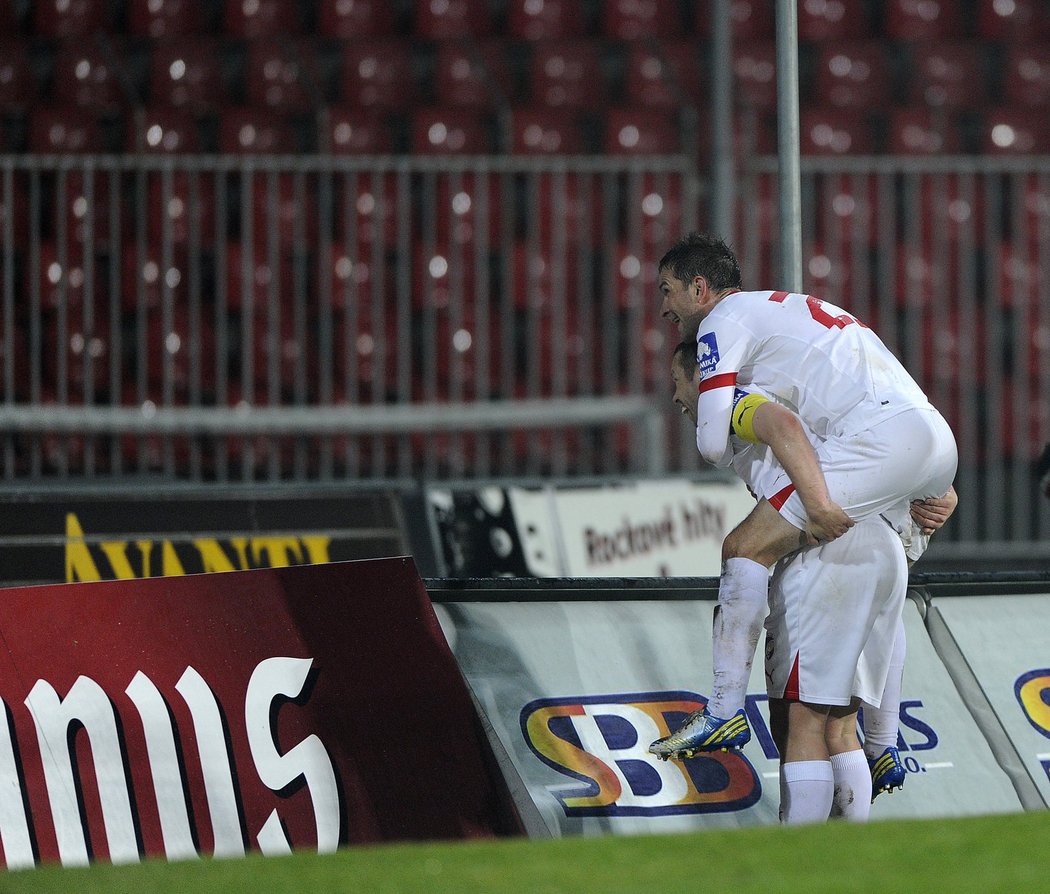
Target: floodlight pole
{"points": [[788, 146], [723, 183]]}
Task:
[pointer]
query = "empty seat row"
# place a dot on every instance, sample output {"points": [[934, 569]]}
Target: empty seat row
{"points": [[531, 130], [395, 74], [528, 19]]}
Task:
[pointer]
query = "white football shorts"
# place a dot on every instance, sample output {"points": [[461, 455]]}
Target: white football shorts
{"points": [[907, 457], [834, 611]]}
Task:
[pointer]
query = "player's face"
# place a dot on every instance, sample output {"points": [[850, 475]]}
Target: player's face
{"points": [[685, 391], [679, 304]]}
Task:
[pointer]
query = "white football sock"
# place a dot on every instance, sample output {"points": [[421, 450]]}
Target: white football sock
{"points": [[743, 594], [882, 723], [852, 798], [809, 787]]}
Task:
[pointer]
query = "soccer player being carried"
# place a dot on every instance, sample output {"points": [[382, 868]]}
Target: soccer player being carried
{"points": [[880, 446], [834, 633]]}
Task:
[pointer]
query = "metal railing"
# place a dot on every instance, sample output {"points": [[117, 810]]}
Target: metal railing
{"points": [[287, 318]]}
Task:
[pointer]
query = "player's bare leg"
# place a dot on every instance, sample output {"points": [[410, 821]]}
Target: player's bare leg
{"points": [[852, 798], [808, 781]]}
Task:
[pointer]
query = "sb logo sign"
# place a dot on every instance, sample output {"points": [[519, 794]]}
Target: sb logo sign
{"points": [[1033, 693], [602, 742]]}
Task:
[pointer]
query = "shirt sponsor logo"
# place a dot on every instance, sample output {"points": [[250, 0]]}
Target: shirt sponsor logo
{"points": [[601, 743], [707, 353]]}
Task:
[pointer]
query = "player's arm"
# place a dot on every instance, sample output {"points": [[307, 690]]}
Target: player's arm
{"points": [[931, 514], [759, 420], [720, 355]]}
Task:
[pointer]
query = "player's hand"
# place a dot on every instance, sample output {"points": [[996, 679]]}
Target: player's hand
{"points": [[931, 514], [826, 523]]}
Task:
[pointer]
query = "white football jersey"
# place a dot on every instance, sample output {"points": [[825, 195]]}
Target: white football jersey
{"points": [[810, 355]]}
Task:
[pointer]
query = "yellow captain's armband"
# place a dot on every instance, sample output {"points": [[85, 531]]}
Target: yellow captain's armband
{"points": [[744, 416]]}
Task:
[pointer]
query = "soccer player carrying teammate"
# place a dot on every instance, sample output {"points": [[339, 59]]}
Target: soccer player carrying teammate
{"points": [[881, 445], [830, 633]]}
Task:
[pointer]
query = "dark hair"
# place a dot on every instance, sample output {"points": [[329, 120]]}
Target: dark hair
{"points": [[685, 354], [700, 254]]}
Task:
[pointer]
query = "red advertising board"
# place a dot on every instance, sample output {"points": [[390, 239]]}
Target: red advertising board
{"points": [[271, 710]]}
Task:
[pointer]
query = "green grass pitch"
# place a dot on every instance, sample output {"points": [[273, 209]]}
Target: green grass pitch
{"points": [[987, 854]]}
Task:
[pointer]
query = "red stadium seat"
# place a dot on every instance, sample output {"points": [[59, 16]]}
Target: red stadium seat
{"points": [[854, 74], [260, 18], [751, 20], [449, 131], [159, 130], [828, 274], [922, 279], [254, 131], [1027, 77], [185, 72], [538, 130], [1014, 131], [924, 131], [367, 209], [364, 344], [924, 19], [1033, 426], [284, 207], [835, 132], [459, 203], [14, 207], [847, 208], [62, 280], [636, 276], [179, 347], [949, 74], [545, 20], [567, 74], [640, 131], [348, 131], [185, 206], [85, 353], [658, 208], [829, 20], [951, 206], [1013, 20], [63, 130], [86, 74], [631, 20], [449, 19], [80, 201], [14, 355], [282, 75], [755, 74], [1035, 200], [165, 18], [70, 18], [379, 74], [148, 283], [541, 277], [443, 276], [1020, 276], [665, 75], [18, 86], [570, 208], [263, 277], [468, 74], [350, 19]]}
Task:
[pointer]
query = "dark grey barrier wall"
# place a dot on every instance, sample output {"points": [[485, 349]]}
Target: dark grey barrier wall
{"points": [[99, 533]]}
